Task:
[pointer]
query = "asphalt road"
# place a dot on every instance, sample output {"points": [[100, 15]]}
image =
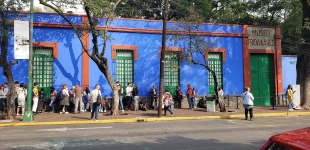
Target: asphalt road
{"points": [[235, 134]]}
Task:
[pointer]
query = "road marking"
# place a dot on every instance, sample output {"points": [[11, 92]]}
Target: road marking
{"points": [[72, 129]]}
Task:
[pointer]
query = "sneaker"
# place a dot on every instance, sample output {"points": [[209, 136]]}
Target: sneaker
{"points": [[123, 110], [22, 114], [60, 112], [105, 111], [18, 114], [66, 112]]}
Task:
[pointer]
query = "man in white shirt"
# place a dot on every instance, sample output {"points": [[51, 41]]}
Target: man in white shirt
{"points": [[95, 102], [248, 104], [129, 90]]}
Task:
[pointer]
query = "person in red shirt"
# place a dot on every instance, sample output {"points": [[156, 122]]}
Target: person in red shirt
{"points": [[189, 94]]}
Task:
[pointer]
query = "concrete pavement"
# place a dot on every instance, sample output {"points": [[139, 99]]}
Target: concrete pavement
{"points": [[150, 116], [220, 134]]}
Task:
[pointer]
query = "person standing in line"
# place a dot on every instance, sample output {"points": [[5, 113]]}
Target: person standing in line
{"points": [[189, 94], [86, 95], [167, 102], [154, 97], [15, 95], [2, 98], [78, 91], [179, 96], [194, 98], [129, 95], [95, 97], [6, 92], [64, 101], [135, 93], [248, 104], [120, 96], [41, 100], [290, 93], [21, 96], [53, 99], [35, 97]]}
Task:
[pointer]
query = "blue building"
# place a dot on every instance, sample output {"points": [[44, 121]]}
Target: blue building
{"points": [[241, 55]]}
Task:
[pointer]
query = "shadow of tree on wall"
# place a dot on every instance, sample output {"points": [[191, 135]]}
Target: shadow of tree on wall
{"points": [[135, 143], [68, 65]]}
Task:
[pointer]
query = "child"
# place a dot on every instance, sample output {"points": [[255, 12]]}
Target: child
{"points": [[290, 93]]}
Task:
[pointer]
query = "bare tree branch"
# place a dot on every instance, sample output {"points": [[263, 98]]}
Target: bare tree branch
{"points": [[78, 33]]}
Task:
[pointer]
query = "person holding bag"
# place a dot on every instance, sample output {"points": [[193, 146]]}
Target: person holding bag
{"points": [[95, 97]]}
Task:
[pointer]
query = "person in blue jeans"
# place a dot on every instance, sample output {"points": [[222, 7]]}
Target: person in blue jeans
{"points": [[95, 103], [189, 94], [120, 95]]}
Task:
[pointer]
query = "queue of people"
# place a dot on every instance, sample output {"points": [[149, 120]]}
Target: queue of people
{"points": [[78, 100]]}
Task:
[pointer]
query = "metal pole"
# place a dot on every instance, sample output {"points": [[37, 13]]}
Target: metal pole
{"points": [[28, 117], [162, 58]]}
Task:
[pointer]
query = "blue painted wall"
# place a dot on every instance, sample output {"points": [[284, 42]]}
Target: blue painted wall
{"points": [[67, 68], [289, 73]]}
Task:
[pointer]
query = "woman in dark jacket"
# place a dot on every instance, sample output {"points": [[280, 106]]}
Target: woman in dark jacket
{"points": [[135, 92]]}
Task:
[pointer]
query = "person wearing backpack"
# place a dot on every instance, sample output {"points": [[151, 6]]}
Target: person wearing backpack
{"points": [[248, 104], [95, 97], [64, 100]]}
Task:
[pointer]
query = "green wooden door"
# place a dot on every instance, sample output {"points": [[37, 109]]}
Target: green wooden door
{"points": [[171, 71], [216, 64], [43, 69], [124, 68], [262, 79]]}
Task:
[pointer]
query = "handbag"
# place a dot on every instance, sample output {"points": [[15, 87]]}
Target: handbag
{"points": [[98, 99]]}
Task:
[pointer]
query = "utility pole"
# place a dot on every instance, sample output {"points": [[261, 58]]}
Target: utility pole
{"points": [[162, 58], [28, 117]]}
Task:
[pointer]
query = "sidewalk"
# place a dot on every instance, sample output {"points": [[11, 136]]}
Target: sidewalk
{"points": [[48, 118]]}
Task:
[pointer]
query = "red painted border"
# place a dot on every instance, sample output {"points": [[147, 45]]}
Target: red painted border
{"points": [[246, 58], [277, 54], [278, 64], [85, 58], [146, 31], [127, 47], [53, 45], [219, 50], [258, 51]]}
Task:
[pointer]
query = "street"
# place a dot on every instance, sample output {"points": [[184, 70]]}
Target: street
{"points": [[219, 134]]}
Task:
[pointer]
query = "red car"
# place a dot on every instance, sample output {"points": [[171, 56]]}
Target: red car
{"points": [[292, 140]]}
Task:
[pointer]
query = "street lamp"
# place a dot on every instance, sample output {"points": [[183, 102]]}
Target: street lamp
{"points": [[28, 117]]}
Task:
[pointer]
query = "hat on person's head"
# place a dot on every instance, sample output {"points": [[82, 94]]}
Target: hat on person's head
{"points": [[16, 82], [117, 82]]}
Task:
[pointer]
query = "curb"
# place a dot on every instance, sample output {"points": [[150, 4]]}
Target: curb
{"points": [[133, 120]]}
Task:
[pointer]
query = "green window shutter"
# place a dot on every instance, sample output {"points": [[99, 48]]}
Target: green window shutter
{"points": [[172, 71], [216, 64], [43, 68], [124, 67]]}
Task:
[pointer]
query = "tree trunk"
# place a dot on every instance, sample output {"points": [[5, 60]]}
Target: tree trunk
{"points": [[7, 69], [105, 70], [220, 101], [303, 79], [303, 60]]}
